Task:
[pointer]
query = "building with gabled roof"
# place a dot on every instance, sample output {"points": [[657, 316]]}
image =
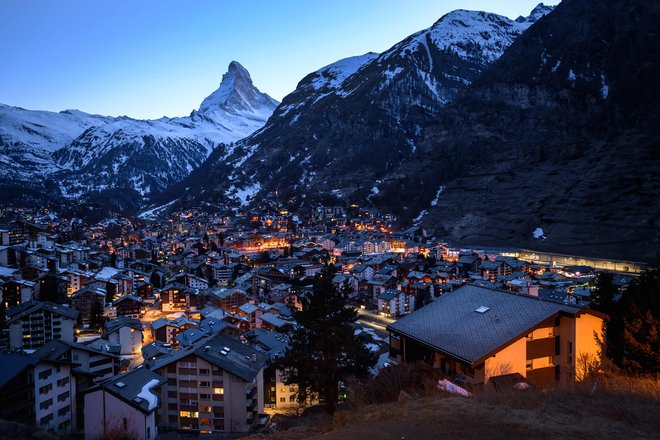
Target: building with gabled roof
{"points": [[34, 323], [124, 405], [213, 386], [479, 333], [126, 333], [37, 392]]}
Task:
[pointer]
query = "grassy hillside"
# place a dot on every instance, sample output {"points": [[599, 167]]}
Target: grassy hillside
{"points": [[605, 407]]}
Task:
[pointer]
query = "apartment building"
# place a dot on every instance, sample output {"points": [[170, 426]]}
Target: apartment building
{"points": [[37, 392], [213, 386], [34, 323]]}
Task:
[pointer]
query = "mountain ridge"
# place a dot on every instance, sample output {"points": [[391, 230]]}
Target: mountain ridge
{"points": [[372, 115], [71, 153]]}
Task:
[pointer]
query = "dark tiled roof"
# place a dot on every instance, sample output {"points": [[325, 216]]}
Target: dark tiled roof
{"points": [[135, 387], [30, 307], [241, 360], [389, 294], [122, 321], [11, 365], [450, 324]]}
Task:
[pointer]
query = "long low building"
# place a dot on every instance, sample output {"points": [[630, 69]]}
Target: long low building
{"points": [[477, 333]]}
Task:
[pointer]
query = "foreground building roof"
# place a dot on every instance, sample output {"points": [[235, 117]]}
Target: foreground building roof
{"points": [[472, 322]]}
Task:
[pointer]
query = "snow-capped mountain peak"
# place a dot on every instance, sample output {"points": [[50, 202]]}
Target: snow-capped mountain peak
{"points": [[238, 95], [539, 11]]}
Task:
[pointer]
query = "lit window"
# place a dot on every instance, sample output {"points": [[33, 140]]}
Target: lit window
{"points": [[219, 390], [188, 414]]}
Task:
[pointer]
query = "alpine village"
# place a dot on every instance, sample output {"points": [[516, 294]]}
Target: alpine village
{"points": [[456, 238]]}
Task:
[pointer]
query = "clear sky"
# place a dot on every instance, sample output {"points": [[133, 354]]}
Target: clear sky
{"points": [[150, 58]]}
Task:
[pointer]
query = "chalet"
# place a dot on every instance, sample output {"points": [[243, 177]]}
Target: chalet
{"points": [[165, 330], [469, 263], [393, 303], [16, 292], [156, 349], [492, 269], [192, 281], [276, 323], [126, 333], [84, 299], [179, 298], [96, 363], [145, 291], [380, 283], [129, 305], [229, 299], [37, 392], [76, 279], [480, 333]]}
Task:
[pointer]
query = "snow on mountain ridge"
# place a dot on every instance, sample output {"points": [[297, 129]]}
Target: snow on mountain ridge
{"points": [[333, 75], [238, 95], [88, 153], [474, 36]]}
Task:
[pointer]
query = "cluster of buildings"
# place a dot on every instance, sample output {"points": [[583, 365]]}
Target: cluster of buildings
{"points": [[174, 324]]}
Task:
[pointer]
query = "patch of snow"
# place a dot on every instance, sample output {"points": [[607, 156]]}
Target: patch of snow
{"points": [[440, 190], [605, 89], [556, 66], [247, 193], [147, 395], [417, 219], [373, 347], [154, 212], [571, 75], [107, 272], [538, 233]]}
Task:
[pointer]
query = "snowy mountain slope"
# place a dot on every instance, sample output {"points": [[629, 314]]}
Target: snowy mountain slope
{"points": [[149, 156], [88, 153], [349, 123], [28, 137], [317, 85], [560, 134]]}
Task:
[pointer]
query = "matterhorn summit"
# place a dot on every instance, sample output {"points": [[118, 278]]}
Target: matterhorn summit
{"points": [[237, 95]]}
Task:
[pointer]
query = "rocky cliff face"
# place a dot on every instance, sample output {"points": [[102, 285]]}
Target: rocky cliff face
{"points": [[560, 134]]}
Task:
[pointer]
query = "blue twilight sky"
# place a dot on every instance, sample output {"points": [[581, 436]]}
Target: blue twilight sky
{"points": [[149, 58]]}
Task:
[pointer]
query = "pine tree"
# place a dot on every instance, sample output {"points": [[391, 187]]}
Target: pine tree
{"points": [[633, 328], [3, 317], [96, 318], [324, 349]]}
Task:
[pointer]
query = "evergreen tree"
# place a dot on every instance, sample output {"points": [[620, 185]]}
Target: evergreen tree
{"points": [[602, 298], [96, 318], [155, 279], [633, 328], [3, 317], [423, 297], [324, 349]]}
